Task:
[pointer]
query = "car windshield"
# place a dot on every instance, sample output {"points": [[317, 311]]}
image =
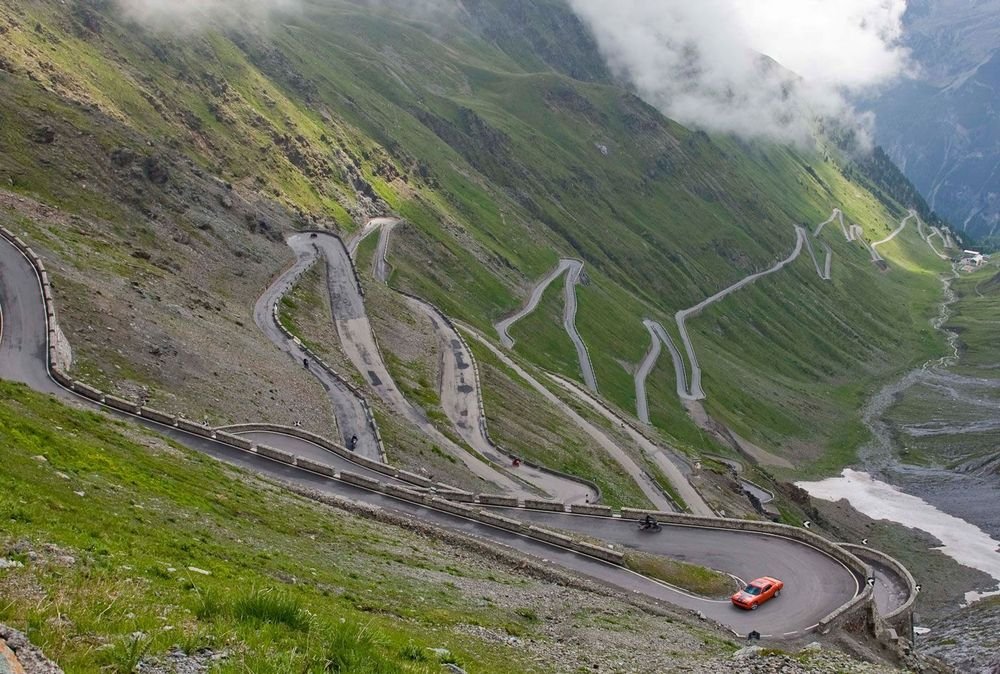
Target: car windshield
{"points": [[752, 589]]}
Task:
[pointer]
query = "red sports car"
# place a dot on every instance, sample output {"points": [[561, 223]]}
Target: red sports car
{"points": [[757, 592]]}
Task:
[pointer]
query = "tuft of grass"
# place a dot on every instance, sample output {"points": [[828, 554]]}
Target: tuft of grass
{"points": [[126, 654], [697, 579], [528, 613], [355, 649], [209, 605], [268, 605]]}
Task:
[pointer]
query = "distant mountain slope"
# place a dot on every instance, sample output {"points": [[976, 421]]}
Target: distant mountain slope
{"points": [[497, 136], [943, 128]]}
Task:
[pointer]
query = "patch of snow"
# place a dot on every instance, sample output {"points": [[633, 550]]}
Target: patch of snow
{"points": [[966, 543]]}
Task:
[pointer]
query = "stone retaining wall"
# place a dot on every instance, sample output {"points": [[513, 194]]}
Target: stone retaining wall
{"points": [[901, 618]]}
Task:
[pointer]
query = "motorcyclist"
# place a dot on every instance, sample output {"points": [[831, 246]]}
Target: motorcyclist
{"points": [[305, 363], [649, 522], [354, 442]]}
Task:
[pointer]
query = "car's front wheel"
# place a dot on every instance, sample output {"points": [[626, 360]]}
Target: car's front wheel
{"points": [[753, 606], [778, 593]]}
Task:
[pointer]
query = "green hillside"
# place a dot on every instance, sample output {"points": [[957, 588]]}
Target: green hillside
{"points": [[499, 137], [121, 547]]}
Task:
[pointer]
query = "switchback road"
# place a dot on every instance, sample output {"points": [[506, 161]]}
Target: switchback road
{"points": [[816, 584]]}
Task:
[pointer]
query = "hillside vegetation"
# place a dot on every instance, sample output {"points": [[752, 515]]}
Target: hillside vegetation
{"points": [[495, 132], [120, 547]]}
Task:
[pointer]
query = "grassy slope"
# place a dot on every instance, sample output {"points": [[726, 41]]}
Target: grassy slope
{"points": [[149, 508], [976, 317], [292, 585], [496, 165]]}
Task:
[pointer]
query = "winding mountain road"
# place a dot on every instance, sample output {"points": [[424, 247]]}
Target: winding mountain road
{"points": [[631, 468], [642, 373], [693, 390], [358, 343], [661, 456], [460, 391], [895, 232], [935, 231], [573, 269], [816, 584], [348, 408], [696, 392]]}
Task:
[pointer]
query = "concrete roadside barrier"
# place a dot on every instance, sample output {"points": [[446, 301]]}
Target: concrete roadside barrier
{"points": [[400, 492], [121, 404], [407, 476], [496, 500], [453, 508], [234, 440], [360, 480], [457, 496], [550, 536], [157, 416], [603, 553], [88, 391], [499, 521], [314, 466], [195, 428], [276, 454], [551, 506], [585, 509], [61, 377], [377, 466]]}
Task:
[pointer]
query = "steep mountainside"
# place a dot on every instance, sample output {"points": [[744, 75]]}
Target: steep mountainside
{"points": [[943, 127], [495, 134]]}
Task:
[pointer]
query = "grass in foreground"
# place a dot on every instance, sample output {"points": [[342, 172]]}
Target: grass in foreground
{"points": [[697, 579], [130, 546]]}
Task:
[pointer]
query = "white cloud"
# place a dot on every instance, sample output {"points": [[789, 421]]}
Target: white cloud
{"points": [[699, 61], [190, 14]]}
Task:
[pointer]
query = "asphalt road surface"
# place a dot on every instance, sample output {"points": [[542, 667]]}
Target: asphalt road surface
{"points": [[642, 373], [569, 325], [347, 407], [815, 584], [621, 457], [696, 392], [360, 347], [460, 392], [659, 455], [573, 269]]}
